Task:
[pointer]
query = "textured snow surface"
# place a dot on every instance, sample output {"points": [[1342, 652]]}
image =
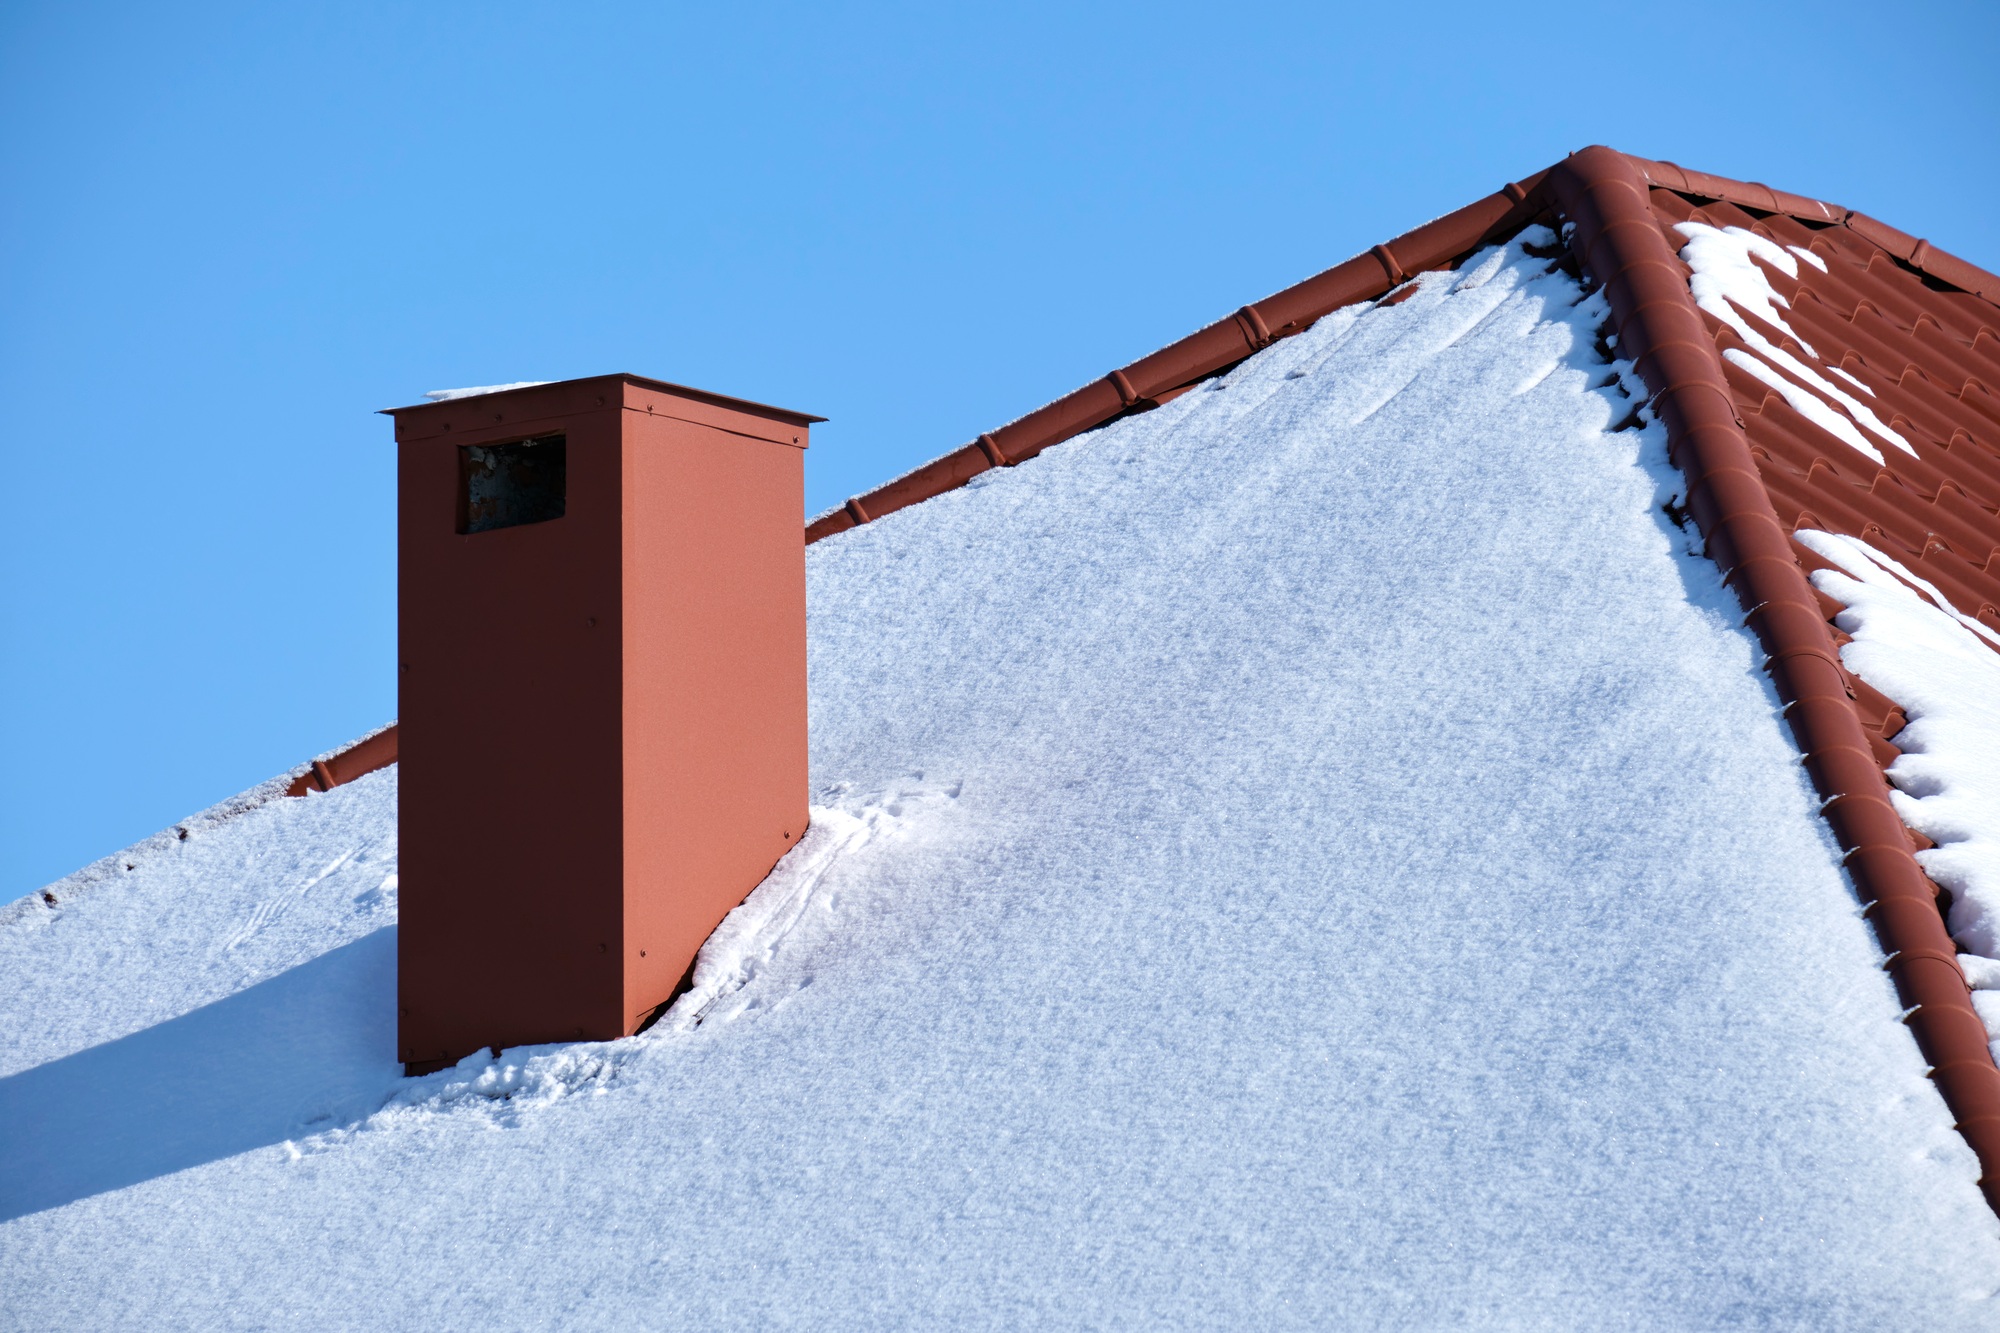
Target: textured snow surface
{"points": [[108, 869], [1726, 283], [1942, 668], [1320, 853]]}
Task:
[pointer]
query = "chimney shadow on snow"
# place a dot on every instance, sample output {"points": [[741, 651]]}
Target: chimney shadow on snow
{"points": [[307, 1050]]}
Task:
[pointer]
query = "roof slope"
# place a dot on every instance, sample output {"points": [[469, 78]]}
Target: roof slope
{"points": [[1907, 333], [1321, 850]]}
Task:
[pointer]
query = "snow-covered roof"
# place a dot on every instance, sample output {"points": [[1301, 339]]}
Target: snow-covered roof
{"points": [[1320, 851]]}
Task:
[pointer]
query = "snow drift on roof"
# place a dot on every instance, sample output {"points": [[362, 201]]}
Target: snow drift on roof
{"points": [[1318, 852], [1940, 667]]}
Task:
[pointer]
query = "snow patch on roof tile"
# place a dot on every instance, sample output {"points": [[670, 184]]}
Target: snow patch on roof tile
{"points": [[1726, 283]]}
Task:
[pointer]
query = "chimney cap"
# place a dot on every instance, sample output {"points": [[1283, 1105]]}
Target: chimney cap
{"points": [[783, 414]]}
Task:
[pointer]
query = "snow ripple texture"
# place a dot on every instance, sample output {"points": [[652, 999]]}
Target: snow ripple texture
{"points": [[1318, 854]]}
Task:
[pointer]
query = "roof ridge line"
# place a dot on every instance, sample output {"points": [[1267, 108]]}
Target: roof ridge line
{"points": [[1618, 241], [1918, 253], [1154, 378]]}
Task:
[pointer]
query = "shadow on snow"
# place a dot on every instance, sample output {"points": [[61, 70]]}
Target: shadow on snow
{"points": [[305, 1051]]}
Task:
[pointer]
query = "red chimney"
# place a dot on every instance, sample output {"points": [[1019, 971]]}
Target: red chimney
{"points": [[603, 699]]}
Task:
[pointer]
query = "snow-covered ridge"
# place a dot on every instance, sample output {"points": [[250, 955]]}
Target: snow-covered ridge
{"points": [[1942, 668], [1726, 282]]}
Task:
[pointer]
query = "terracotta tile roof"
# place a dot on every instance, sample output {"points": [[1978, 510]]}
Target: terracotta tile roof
{"points": [[1918, 329], [1624, 209], [1929, 355]]}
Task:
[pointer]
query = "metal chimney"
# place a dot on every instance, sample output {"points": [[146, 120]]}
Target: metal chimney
{"points": [[603, 699]]}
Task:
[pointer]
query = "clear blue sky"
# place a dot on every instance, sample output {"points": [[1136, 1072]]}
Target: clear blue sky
{"points": [[229, 233]]}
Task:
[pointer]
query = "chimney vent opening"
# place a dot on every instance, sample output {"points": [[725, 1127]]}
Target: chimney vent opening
{"points": [[506, 485]]}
